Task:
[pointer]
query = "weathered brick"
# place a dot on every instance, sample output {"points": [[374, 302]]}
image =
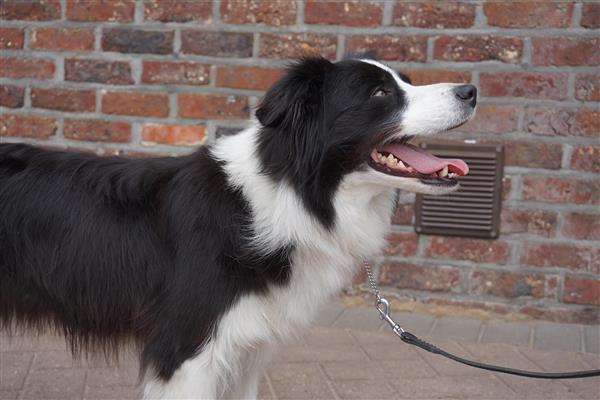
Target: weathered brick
{"points": [[533, 85], [64, 99], [583, 315], [62, 39], [33, 126], [11, 38], [30, 10], [529, 14], [390, 47], [351, 13], [507, 284], [19, 67], [562, 121], [554, 189], [478, 48], [401, 244], [581, 290], [245, 77], [533, 154], [434, 278], [101, 10], [189, 135], [493, 119], [590, 15], [97, 130], [579, 225], [434, 14], [565, 255], [126, 40], [403, 214], [538, 222], [176, 72], [11, 96], [506, 186], [216, 44], [295, 45], [432, 76], [477, 250], [586, 158], [573, 51], [271, 12], [212, 106], [136, 103], [178, 11], [587, 87], [98, 71]]}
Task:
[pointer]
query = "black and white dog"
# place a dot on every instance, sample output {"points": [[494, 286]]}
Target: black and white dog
{"points": [[207, 261]]}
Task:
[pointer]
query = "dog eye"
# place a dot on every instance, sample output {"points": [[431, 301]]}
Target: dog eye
{"points": [[379, 92]]}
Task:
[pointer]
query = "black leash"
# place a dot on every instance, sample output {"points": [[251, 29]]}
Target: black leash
{"points": [[383, 306]]}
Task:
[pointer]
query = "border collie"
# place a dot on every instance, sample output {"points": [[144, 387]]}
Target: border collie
{"points": [[207, 261]]}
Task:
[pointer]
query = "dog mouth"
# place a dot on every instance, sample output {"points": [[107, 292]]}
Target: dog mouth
{"points": [[401, 159]]}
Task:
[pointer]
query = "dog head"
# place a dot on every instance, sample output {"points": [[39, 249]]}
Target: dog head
{"points": [[323, 121]]}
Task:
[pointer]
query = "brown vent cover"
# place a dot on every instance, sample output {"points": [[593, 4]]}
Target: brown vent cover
{"points": [[474, 209]]}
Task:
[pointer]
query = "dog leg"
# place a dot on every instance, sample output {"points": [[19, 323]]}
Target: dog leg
{"points": [[252, 369]]}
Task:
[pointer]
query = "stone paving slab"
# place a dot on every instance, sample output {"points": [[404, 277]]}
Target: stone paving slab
{"points": [[349, 354]]}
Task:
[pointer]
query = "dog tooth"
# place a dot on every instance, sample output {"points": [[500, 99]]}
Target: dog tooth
{"points": [[443, 172], [400, 163]]}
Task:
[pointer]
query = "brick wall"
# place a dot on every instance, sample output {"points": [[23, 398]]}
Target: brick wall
{"points": [[157, 77]]}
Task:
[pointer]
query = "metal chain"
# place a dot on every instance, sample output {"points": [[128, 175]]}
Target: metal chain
{"points": [[371, 278]]}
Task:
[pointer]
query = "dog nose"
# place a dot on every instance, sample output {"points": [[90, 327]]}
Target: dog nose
{"points": [[467, 94]]}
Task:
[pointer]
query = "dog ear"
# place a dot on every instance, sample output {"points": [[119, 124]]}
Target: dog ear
{"points": [[294, 97]]}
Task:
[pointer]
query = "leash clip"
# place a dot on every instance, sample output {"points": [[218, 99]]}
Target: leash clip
{"points": [[383, 306]]}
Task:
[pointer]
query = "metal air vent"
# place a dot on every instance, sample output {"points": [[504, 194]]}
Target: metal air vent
{"points": [[474, 209]]}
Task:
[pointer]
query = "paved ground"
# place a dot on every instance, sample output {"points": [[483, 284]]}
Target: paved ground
{"points": [[349, 354]]}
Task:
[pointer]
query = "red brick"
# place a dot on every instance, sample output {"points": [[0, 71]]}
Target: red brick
{"points": [[403, 214], [401, 244], [493, 119], [507, 284], [432, 76], [212, 106], [97, 130], [584, 315], [390, 47], [32, 126], [30, 10], [11, 38], [270, 12], [590, 15], [217, 44], [18, 68], [64, 99], [565, 255], [178, 11], [126, 40], [532, 154], [433, 278], [176, 72], [581, 290], [555, 189], [538, 222], [477, 250], [173, 134], [295, 45], [101, 10], [587, 87], [478, 48], [62, 39], [98, 71], [582, 226], [136, 103], [562, 121], [586, 158], [11, 96], [351, 13], [434, 14], [573, 51], [533, 85], [528, 14], [245, 77]]}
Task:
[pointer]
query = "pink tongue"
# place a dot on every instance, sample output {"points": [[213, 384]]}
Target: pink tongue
{"points": [[424, 162]]}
